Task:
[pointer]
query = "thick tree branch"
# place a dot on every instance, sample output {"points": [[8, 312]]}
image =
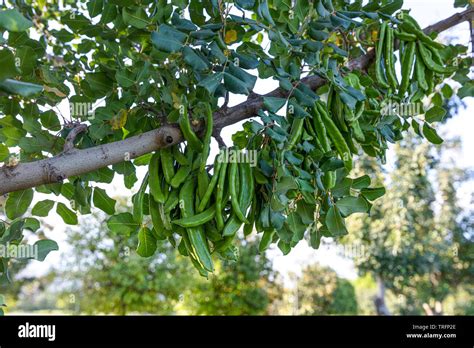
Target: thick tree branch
{"points": [[450, 22], [77, 162]]}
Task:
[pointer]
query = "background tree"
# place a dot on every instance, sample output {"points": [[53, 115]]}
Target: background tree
{"points": [[320, 292], [416, 252], [247, 286], [107, 276], [103, 274]]}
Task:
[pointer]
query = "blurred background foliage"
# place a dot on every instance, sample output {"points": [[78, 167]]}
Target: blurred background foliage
{"points": [[414, 256]]}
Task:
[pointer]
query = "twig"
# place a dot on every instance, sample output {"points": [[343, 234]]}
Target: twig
{"points": [[71, 137], [216, 133]]}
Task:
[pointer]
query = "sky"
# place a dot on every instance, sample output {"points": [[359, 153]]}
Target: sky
{"points": [[426, 12]]}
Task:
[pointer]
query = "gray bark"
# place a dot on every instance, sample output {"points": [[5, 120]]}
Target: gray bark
{"points": [[379, 300]]}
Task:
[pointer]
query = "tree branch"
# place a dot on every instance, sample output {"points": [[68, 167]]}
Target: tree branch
{"points": [[77, 129], [76, 162]]}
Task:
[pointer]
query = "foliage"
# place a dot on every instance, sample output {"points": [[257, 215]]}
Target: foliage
{"points": [[107, 276], [127, 67], [103, 274], [320, 291], [16, 251], [421, 253], [245, 287]]}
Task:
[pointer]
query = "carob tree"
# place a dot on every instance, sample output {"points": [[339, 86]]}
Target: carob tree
{"points": [[148, 84]]}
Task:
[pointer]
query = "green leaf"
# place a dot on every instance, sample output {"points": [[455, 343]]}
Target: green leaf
{"points": [[246, 61], [17, 203], [44, 247], [466, 90], [7, 62], [168, 39], [143, 160], [103, 201], [125, 78], [285, 184], [361, 182], [31, 224], [4, 153], [285, 234], [348, 99], [26, 57], [137, 19], [342, 188], [273, 104], [42, 208], [373, 193], [75, 21], [332, 164], [146, 242], [461, 3], [108, 14], [25, 89], [182, 23], [105, 175], [248, 79], [14, 232], [306, 212], [350, 205], [277, 219], [196, 12], [68, 215], [211, 82], [98, 83], [203, 34], [245, 4], [284, 247], [138, 199], [40, 142], [67, 190], [95, 7], [193, 59], [391, 7], [50, 120], [296, 226], [13, 135], [12, 20], [431, 134], [297, 110], [82, 193], [447, 91], [303, 98], [264, 12], [235, 85], [122, 223], [435, 114], [335, 222]]}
